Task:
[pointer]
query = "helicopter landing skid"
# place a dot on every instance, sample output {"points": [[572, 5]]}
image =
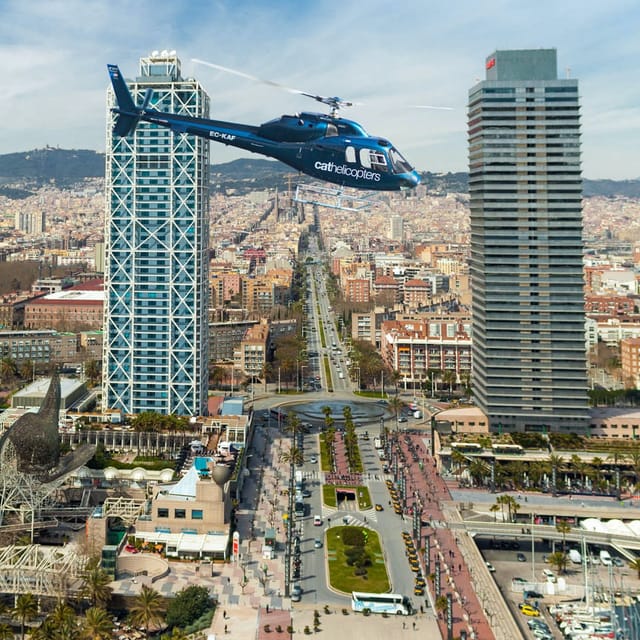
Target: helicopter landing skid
{"points": [[336, 198]]}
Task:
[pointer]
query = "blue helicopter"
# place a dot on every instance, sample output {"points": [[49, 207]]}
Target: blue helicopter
{"points": [[323, 146]]}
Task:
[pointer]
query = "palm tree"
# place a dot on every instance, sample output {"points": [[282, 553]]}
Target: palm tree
{"points": [[97, 624], [6, 632], [563, 527], [558, 560], [556, 462], [494, 508], [25, 610], [95, 585], [148, 608], [294, 456], [63, 622], [442, 603], [458, 459], [395, 404]]}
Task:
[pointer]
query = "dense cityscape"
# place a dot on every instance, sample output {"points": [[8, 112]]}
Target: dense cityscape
{"points": [[276, 411]]}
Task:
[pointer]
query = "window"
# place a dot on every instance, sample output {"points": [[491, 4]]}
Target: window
{"points": [[180, 513], [196, 514], [371, 159], [163, 513]]}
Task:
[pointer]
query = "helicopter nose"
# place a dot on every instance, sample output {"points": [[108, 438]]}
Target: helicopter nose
{"points": [[411, 180]]}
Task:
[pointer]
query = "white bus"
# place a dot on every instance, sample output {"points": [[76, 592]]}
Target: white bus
{"points": [[393, 603]]}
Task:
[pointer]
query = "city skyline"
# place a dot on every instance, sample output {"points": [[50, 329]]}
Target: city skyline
{"points": [[388, 59]]}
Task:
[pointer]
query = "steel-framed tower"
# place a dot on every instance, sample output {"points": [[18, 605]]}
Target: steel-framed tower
{"points": [[529, 355], [156, 253]]}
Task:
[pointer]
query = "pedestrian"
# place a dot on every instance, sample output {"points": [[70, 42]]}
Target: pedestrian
{"points": [[224, 615], [404, 625], [414, 626], [267, 608]]}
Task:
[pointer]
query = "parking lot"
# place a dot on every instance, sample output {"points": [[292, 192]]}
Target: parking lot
{"points": [[530, 585]]}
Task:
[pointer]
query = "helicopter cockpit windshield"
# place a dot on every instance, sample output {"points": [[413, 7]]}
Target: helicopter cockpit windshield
{"points": [[398, 163]]}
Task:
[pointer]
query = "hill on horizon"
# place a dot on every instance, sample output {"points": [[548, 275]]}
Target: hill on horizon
{"points": [[24, 171]]}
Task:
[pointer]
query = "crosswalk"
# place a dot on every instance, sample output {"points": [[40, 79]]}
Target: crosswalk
{"points": [[359, 520]]}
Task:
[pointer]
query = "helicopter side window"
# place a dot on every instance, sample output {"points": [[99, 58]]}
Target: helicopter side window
{"points": [[371, 159], [350, 154], [332, 130]]}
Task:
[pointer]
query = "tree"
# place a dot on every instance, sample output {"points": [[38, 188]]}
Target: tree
{"points": [[92, 370], [148, 608], [188, 605], [442, 604], [25, 610], [563, 527], [395, 404], [556, 462], [97, 624], [6, 632], [63, 622], [95, 585], [558, 560], [8, 370]]}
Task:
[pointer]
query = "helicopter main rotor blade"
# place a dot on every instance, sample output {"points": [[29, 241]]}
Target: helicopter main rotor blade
{"points": [[248, 76], [333, 102], [428, 106]]}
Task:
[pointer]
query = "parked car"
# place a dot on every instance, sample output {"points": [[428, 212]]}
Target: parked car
{"points": [[490, 567], [528, 610]]}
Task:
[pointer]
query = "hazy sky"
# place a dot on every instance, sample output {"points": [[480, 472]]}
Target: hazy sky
{"points": [[386, 54]]}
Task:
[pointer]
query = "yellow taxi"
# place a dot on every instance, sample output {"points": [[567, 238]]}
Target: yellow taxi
{"points": [[528, 610]]}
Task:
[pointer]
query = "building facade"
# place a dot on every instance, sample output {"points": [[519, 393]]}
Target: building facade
{"points": [[156, 258], [529, 358]]}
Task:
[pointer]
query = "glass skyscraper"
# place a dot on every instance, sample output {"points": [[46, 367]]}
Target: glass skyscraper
{"points": [[529, 353], [156, 253]]}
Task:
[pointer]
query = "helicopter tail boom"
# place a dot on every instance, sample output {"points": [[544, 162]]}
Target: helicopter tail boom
{"points": [[128, 113]]}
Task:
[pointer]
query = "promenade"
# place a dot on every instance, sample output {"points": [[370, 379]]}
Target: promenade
{"points": [[460, 566]]}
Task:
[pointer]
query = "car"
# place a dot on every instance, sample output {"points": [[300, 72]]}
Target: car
{"points": [[317, 521], [379, 507], [522, 557], [518, 579], [619, 562], [313, 459], [296, 593], [549, 575], [490, 567], [131, 549], [317, 543], [528, 610], [402, 419], [418, 590], [532, 595]]}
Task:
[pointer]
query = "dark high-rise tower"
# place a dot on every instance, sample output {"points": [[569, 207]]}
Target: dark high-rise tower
{"points": [[529, 354]]}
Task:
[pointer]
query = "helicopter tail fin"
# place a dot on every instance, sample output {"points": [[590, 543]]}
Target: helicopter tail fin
{"points": [[128, 114]]}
